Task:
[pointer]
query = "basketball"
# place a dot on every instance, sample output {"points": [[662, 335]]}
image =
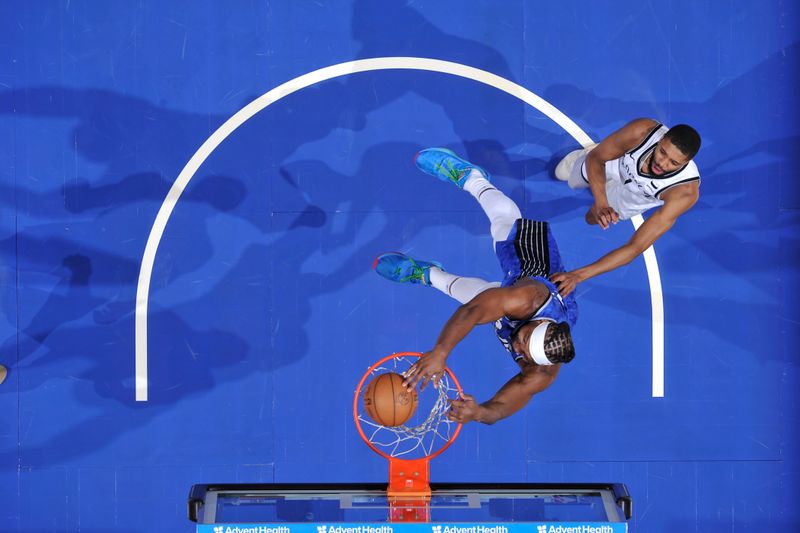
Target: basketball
{"points": [[387, 402]]}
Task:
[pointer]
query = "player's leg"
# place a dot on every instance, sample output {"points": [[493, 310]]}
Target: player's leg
{"points": [[499, 208], [569, 169], [447, 166], [461, 288], [401, 268]]}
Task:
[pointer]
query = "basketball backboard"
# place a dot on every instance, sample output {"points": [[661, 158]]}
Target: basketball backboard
{"points": [[451, 508]]}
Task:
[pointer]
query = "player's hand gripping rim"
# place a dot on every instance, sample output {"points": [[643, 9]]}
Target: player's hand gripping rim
{"points": [[429, 367], [463, 409]]}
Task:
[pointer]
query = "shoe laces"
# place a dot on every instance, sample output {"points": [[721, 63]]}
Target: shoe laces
{"points": [[417, 272], [451, 171]]}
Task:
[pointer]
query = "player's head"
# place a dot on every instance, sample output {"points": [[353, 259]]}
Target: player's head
{"points": [[685, 138], [676, 148], [546, 342]]}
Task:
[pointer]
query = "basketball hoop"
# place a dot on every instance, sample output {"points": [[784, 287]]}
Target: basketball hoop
{"points": [[409, 448]]}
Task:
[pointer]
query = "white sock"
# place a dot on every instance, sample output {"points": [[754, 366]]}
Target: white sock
{"points": [[500, 209], [458, 287], [476, 184]]}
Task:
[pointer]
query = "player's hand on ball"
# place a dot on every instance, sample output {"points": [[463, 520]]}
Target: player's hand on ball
{"points": [[430, 366], [463, 409]]}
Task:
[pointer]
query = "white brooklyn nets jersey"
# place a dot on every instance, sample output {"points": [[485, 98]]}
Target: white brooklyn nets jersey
{"points": [[631, 191]]}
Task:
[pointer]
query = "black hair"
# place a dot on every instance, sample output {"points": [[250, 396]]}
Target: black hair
{"points": [[558, 345], [685, 138]]}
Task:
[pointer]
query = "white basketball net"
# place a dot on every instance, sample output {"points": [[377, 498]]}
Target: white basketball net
{"points": [[420, 437]]}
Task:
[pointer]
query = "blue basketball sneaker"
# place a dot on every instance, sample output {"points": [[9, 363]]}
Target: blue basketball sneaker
{"points": [[395, 266], [446, 165]]}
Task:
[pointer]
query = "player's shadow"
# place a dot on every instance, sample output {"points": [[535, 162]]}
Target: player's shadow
{"points": [[64, 337], [65, 329], [414, 32], [222, 193], [90, 252]]}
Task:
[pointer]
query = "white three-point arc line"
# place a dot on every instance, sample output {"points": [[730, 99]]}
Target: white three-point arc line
{"points": [[335, 71]]}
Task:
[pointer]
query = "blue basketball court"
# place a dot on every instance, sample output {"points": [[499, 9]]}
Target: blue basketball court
{"points": [[193, 194]]}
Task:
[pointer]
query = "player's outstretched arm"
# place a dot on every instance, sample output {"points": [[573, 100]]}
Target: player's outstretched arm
{"points": [[676, 202], [487, 307], [612, 147], [512, 397]]}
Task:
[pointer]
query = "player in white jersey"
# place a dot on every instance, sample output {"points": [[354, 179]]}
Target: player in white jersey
{"points": [[641, 166]]}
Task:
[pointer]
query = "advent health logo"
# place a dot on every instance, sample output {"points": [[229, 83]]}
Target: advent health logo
{"points": [[480, 528], [255, 528], [585, 528], [420, 527]]}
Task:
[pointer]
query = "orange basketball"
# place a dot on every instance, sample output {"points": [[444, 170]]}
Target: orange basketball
{"points": [[387, 402]]}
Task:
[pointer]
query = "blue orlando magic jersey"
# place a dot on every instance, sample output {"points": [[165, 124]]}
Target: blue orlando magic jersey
{"points": [[555, 308]]}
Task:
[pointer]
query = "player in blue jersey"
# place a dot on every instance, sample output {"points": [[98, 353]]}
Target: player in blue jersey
{"points": [[531, 319]]}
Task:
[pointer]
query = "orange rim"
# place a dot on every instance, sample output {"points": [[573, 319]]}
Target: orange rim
{"points": [[358, 422]]}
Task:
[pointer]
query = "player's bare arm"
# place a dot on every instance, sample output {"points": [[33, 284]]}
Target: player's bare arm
{"points": [[518, 301], [677, 201], [612, 147], [511, 397]]}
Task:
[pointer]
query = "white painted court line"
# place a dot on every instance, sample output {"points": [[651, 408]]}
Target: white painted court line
{"points": [[335, 71], [657, 305]]}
